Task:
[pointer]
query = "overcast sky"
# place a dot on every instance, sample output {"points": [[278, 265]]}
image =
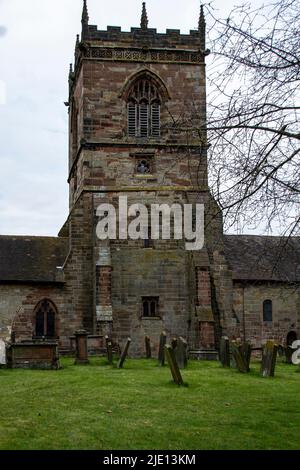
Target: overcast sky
{"points": [[36, 46]]}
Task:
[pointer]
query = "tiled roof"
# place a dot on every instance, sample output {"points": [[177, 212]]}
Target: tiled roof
{"points": [[31, 259], [251, 257], [263, 258]]}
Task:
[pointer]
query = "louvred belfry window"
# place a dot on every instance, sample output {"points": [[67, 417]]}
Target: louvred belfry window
{"points": [[132, 118], [143, 109], [155, 119]]}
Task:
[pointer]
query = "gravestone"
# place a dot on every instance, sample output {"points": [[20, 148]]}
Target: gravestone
{"points": [[2, 353], [241, 356], [174, 343], [33, 355], [109, 349], [161, 352], [269, 359], [169, 351], [181, 353], [109, 352], [81, 347], [288, 354], [245, 349], [148, 347], [232, 357], [124, 354], [224, 353]]}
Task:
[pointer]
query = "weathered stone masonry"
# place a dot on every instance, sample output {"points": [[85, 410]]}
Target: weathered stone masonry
{"points": [[100, 286]]}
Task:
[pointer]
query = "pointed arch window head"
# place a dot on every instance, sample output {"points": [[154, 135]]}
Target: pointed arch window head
{"points": [[143, 107], [45, 319]]}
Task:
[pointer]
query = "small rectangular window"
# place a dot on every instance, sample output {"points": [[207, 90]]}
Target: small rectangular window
{"points": [[150, 307], [268, 311]]}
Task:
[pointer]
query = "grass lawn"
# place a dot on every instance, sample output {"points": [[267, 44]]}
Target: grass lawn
{"points": [[100, 407]]}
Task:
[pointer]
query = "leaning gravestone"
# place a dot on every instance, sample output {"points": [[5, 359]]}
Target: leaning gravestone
{"points": [[124, 354], [2, 353], [161, 352], [224, 353], [173, 365], [269, 359], [181, 353], [241, 356], [174, 343], [148, 347]]}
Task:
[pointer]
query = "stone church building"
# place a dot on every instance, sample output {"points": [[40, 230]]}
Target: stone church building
{"points": [[136, 100]]}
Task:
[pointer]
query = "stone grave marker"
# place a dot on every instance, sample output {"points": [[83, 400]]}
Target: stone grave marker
{"points": [[109, 352], [33, 355], [232, 356], [241, 356], [161, 352], [224, 353], [109, 349], [148, 347], [288, 354], [269, 355], [245, 349], [176, 374], [174, 343], [81, 347], [124, 354], [2, 353], [181, 353]]}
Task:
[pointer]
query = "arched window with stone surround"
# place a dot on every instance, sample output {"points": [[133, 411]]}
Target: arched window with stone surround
{"points": [[144, 95], [45, 315]]}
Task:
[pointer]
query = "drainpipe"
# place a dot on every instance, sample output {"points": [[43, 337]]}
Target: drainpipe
{"points": [[244, 320]]}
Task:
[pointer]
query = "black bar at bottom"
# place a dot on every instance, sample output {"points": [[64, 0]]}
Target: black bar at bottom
{"points": [[136, 459]]}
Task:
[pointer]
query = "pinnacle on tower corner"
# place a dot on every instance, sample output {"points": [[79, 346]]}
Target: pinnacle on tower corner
{"points": [[202, 28], [85, 14], [144, 19]]}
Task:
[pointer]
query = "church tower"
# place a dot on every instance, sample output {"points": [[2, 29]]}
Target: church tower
{"points": [[137, 109]]}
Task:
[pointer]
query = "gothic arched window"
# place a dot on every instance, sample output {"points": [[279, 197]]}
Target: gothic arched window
{"points": [[45, 313], [143, 108]]}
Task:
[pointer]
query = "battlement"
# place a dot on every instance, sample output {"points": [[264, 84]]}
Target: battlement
{"points": [[140, 37], [144, 37]]}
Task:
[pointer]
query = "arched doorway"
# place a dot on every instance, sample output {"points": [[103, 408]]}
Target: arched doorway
{"points": [[45, 314]]}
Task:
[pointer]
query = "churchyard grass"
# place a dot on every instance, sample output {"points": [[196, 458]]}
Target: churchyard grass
{"points": [[98, 406]]}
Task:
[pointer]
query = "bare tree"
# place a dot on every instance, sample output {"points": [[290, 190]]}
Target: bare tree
{"points": [[253, 115]]}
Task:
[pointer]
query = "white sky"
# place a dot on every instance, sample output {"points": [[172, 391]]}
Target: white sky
{"points": [[37, 40]]}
